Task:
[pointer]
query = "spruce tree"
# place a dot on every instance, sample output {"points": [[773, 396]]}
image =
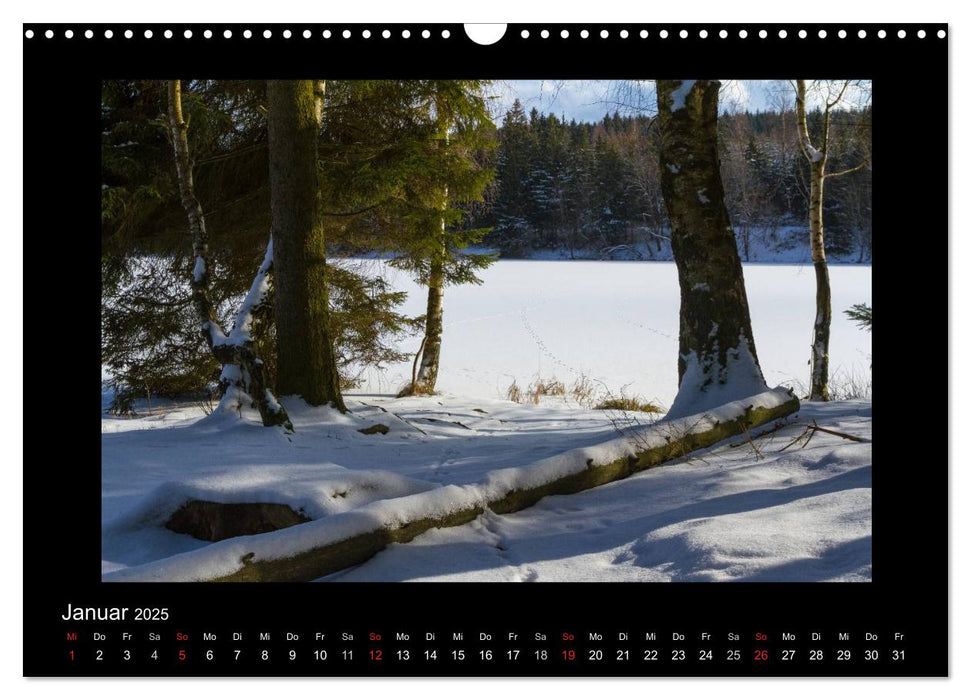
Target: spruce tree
{"points": [[515, 151], [447, 173]]}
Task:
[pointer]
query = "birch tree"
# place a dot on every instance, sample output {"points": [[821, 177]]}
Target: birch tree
{"points": [[817, 155], [717, 361], [306, 363], [243, 378], [431, 344]]}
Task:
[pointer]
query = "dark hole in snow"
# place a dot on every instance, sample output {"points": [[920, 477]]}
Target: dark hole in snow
{"points": [[206, 520]]}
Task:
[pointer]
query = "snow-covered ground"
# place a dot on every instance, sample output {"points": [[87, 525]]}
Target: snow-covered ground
{"points": [[151, 465], [725, 514]]}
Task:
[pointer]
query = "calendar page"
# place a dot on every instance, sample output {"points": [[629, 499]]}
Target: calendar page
{"points": [[396, 318]]}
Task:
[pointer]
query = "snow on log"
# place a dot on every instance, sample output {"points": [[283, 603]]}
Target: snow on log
{"points": [[311, 550]]}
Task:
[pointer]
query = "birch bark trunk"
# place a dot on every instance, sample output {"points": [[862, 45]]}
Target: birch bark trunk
{"points": [[434, 322], [819, 360], [243, 376]]}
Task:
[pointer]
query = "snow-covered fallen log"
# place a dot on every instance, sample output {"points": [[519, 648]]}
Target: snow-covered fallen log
{"points": [[314, 549]]}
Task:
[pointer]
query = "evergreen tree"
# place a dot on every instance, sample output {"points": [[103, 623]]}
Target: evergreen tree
{"points": [[513, 230], [578, 190], [446, 174], [150, 340], [610, 198], [570, 186], [862, 314]]}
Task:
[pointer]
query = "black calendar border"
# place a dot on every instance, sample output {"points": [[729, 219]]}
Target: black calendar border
{"points": [[910, 481]]}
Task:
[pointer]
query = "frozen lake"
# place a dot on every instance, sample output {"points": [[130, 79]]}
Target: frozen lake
{"points": [[617, 324]]}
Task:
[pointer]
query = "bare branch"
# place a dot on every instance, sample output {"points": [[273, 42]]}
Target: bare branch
{"points": [[824, 149], [845, 436], [231, 154], [355, 212], [830, 105], [826, 121], [860, 166]]}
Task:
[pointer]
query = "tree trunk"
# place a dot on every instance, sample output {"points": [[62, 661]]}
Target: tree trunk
{"points": [[197, 222], [243, 370], [432, 344], [819, 375], [717, 361], [242, 366], [819, 387], [305, 353]]}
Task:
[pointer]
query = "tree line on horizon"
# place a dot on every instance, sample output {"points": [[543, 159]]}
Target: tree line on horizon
{"points": [[587, 188]]}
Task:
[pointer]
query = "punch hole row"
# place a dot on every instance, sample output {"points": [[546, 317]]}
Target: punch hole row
{"points": [[722, 34], [445, 33], [245, 33]]}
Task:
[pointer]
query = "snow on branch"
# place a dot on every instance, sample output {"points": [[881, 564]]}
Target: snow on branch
{"points": [[242, 332]]}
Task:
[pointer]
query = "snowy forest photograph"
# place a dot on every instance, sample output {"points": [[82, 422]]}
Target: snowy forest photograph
{"points": [[486, 330]]}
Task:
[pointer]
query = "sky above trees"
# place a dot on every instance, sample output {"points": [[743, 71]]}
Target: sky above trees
{"points": [[589, 100]]}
